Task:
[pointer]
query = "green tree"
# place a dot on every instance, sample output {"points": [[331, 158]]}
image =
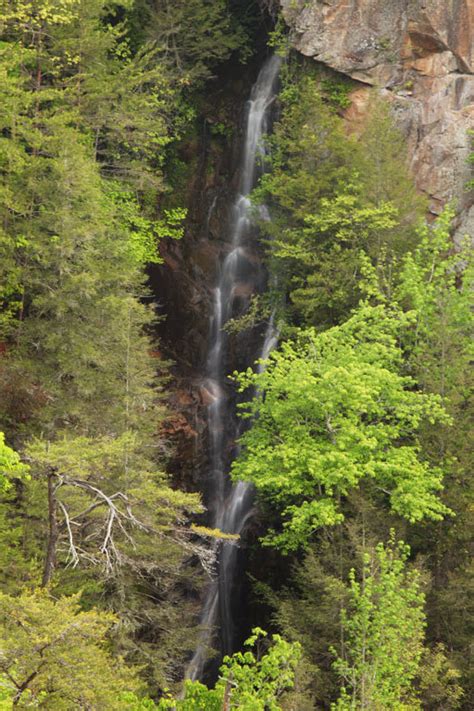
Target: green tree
{"points": [[77, 56], [11, 469], [307, 610], [10, 464], [86, 121], [54, 655], [382, 166], [436, 281], [253, 680], [194, 37], [470, 183], [439, 681], [434, 289], [95, 486], [327, 252], [336, 414], [332, 195], [383, 634]]}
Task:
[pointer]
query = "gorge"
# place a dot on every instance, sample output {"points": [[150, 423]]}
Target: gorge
{"points": [[236, 355]]}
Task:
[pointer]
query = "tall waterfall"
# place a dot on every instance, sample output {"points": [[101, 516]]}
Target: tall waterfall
{"points": [[231, 509]]}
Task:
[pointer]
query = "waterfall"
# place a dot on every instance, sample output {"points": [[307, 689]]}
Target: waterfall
{"points": [[231, 509]]}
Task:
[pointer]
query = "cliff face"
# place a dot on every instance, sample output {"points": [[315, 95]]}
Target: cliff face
{"points": [[184, 284], [420, 55]]}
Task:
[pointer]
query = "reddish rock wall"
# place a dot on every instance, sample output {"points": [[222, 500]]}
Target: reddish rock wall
{"points": [[420, 56]]}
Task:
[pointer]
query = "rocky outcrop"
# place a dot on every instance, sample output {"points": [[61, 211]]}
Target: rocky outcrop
{"points": [[420, 55]]}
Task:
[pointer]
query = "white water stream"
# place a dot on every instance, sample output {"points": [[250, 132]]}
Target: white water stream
{"points": [[231, 510]]}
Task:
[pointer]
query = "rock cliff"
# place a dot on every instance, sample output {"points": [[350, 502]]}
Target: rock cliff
{"points": [[420, 55], [184, 284]]}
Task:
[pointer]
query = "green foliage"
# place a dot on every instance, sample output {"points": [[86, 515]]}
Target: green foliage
{"points": [[331, 196], [78, 274], [382, 165], [437, 281], [194, 36], [470, 183], [328, 249], [432, 294], [279, 38], [121, 532], [55, 656], [310, 155], [256, 313], [337, 91], [12, 471], [145, 234], [354, 419], [353, 423], [10, 464], [82, 67], [307, 610], [88, 117], [253, 680], [383, 634], [94, 470], [439, 680]]}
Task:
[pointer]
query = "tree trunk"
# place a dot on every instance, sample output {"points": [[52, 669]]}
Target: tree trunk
{"points": [[50, 561], [227, 693]]}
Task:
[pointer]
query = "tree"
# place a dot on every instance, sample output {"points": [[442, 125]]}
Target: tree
{"points": [[336, 414], [94, 487], [10, 464], [439, 681], [78, 57], [436, 282], [327, 252], [383, 168], [73, 245], [470, 183], [253, 680], [332, 196], [194, 37], [55, 655], [433, 294], [86, 121], [307, 610], [383, 634]]}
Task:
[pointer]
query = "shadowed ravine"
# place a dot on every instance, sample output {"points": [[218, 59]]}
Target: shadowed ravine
{"points": [[231, 507]]}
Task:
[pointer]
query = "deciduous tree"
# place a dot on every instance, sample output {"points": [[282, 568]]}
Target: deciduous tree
{"points": [[383, 634], [336, 414]]}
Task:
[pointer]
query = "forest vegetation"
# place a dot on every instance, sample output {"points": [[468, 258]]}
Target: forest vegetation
{"points": [[358, 445]]}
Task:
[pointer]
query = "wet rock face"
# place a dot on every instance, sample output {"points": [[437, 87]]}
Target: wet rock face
{"points": [[183, 285], [420, 54]]}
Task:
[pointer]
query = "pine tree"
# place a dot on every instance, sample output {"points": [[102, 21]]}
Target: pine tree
{"points": [[85, 125], [49, 649]]}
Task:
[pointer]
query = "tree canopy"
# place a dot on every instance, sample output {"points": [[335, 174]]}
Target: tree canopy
{"points": [[354, 419]]}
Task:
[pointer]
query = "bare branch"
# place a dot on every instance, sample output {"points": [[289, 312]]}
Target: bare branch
{"points": [[72, 548], [120, 517]]}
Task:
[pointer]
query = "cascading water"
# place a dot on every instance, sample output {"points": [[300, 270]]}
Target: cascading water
{"points": [[231, 509]]}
